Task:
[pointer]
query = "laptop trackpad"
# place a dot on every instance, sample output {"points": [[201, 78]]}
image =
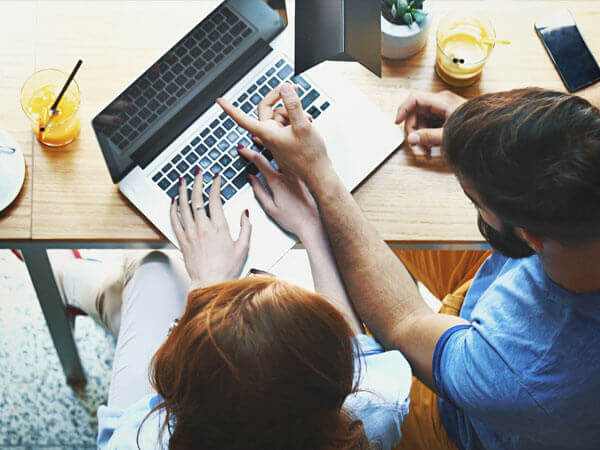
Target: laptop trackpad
{"points": [[335, 133]]}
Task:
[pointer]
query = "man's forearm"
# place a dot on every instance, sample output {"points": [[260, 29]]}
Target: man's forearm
{"points": [[379, 286]]}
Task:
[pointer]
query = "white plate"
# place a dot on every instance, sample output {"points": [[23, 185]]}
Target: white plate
{"points": [[12, 169]]}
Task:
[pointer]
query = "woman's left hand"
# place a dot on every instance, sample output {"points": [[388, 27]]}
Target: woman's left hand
{"points": [[211, 255]]}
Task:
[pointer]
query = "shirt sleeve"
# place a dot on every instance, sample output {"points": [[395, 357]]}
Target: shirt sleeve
{"points": [[118, 428], [472, 375], [382, 401]]}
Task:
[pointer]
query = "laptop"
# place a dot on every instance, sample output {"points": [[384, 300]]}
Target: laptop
{"points": [[166, 123]]}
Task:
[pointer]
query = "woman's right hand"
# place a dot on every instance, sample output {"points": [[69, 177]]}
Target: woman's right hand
{"points": [[210, 254], [289, 203]]}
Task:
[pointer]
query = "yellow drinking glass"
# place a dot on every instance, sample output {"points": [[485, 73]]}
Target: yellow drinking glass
{"points": [[464, 43], [37, 96]]}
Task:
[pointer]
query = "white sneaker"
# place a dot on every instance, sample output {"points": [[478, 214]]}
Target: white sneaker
{"points": [[96, 288]]}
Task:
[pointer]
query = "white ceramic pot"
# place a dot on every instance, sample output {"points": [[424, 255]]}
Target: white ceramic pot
{"points": [[402, 41]]}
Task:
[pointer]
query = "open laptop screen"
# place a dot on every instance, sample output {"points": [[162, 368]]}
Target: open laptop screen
{"points": [[183, 83]]}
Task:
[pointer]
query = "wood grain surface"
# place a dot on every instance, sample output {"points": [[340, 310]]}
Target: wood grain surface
{"points": [[409, 198], [17, 62]]}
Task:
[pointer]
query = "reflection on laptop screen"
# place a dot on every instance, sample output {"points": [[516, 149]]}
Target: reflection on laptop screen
{"points": [[165, 89]]}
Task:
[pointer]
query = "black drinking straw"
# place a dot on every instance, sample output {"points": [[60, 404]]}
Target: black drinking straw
{"points": [[60, 96]]}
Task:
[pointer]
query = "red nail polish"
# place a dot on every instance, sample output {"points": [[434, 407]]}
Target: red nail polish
{"points": [[172, 200], [197, 171], [180, 181], [247, 213], [240, 146], [253, 137], [215, 176]]}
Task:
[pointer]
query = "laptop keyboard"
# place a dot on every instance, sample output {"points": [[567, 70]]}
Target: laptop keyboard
{"points": [[177, 72], [214, 148]]}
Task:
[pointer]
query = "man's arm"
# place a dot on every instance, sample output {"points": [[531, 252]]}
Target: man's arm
{"points": [[378, 284], [382, 291], [288, 202]]}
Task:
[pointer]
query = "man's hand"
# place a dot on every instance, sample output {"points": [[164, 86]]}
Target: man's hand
{"points": [[297, 146], [424, 114]]}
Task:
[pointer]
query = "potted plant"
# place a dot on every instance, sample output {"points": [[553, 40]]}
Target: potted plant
{"points": [[404, 27]]}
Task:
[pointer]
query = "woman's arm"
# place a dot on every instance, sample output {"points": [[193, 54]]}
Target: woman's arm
{"points": [[291, 205], [327, 277]]}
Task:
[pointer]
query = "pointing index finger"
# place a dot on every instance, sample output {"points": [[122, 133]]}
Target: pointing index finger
{"points": [[245, 121]]}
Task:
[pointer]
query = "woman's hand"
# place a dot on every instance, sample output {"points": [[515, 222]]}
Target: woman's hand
{"points": [[293, 207], [289, 203], [211, 255]]}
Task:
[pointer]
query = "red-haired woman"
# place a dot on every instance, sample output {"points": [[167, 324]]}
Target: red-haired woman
{"points": [[251, 363]]}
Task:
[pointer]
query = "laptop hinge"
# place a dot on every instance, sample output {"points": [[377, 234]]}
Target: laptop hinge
{"points": [[195, 107]]}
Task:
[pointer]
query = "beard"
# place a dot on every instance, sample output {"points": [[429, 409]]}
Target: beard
{"points": [[504, 241]]}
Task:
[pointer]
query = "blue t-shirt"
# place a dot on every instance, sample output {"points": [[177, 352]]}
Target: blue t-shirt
{"points": [[381, 404], [526, 373]]}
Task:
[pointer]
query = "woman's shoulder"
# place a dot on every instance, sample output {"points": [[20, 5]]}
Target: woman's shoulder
{"points": [[384, 371], [118, 428], [384, 382]]}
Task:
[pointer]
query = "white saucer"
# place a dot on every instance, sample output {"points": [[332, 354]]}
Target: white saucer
{"points": [[12, 169]]}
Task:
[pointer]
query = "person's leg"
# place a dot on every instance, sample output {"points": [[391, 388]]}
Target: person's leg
{"points": [[154, 297], [448, 275], [422, 428], [442, 271]]}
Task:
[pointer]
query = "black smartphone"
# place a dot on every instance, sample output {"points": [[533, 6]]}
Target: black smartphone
{"points": [[567, 49]]}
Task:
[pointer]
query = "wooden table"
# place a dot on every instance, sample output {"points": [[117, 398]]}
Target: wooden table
{"points": [[69, 199]]}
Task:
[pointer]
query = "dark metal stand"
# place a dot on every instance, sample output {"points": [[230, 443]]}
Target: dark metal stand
{"points": [[57, 319]]}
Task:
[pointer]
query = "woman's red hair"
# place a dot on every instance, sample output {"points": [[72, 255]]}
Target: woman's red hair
{"points": [[258, 363]]}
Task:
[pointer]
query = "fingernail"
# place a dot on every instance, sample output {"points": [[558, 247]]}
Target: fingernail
{"points": [[397, 122], [253, 137], [247, 213], [197, 171], [240, 146], [172, 200], [286, 89], [180, 181], [414, 138], [215, 176]]}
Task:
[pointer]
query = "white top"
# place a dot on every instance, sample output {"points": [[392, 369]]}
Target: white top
{"points": [[381, 404]]}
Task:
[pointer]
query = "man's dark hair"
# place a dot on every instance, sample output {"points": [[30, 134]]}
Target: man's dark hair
{"points": [[533, 156]]}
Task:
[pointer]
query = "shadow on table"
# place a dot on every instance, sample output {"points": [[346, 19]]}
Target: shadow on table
{"points": [[435, 163]]}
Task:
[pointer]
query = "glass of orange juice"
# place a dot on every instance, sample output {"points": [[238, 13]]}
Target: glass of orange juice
{"points": [[464, 43], [37, 96]]}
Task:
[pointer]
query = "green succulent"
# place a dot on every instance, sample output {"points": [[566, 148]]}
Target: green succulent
{"points": [[403, 11]]}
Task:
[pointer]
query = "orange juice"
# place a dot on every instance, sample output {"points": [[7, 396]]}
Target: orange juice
{"points": [[461, 54], [37, 96]]}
